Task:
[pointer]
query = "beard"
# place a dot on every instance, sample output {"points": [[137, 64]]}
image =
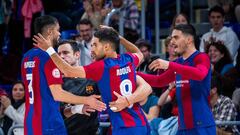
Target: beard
{"points": [[55, 42]]}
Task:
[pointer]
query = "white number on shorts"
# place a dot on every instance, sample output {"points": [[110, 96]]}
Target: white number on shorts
{"points": [[126, 88], [30, 88]]}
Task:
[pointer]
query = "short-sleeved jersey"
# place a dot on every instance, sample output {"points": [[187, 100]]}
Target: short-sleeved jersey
{"points": [[192, 95], [119, 75], [42, 114]]}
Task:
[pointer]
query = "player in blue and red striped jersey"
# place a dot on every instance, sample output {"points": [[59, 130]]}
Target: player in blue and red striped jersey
{"points": [[116, 78], [43, 82], [192, 73]]}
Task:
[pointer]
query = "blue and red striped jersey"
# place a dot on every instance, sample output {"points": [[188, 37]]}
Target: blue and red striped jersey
{"points": [[193, 78], [192, 95], [42, 114], [119, 75]]}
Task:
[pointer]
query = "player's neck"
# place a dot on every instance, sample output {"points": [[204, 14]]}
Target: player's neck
{"points": [[111, 55], [189, 52]]}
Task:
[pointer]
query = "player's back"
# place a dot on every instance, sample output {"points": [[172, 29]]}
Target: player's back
{"points": [[42, 114]]}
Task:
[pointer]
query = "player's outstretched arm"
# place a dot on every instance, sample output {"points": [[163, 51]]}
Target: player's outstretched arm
{"points": [[143, 91], [63, 96], [68, 70]]}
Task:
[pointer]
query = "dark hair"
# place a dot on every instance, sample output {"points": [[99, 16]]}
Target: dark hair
{"points": [[85, 22], [187, 29], [143, 43], [217, 9], [42, 22], [17, 82], [223, 50], [216, 81], [108, 35], [175, 17], [73, 44], [16, 104]]}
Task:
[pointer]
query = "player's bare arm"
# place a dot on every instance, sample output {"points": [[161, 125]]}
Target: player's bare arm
{"points": [[63, 96], [130, 47], [142, 92], [68, 70]]}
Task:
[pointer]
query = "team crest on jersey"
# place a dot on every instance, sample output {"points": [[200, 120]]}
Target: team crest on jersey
{"points": [[56, 73], [89, 89]]}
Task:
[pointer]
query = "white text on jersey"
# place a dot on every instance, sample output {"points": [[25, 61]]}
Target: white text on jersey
{"points": [[123, 71], [29, 64]]}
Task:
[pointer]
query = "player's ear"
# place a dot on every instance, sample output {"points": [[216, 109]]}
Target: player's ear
{"points": [[107, 46], [49, 31], [77, 54], [189, 39]]}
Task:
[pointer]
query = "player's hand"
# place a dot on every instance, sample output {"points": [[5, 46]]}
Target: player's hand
{"points": [[41, 42], [159, 64], [87, 110], [120, 104], [94, 102]]}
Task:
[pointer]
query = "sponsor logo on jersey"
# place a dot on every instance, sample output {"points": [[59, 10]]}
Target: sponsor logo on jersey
{"points": [[181, 83]]}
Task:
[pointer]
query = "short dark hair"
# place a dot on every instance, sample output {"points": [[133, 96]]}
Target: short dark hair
{"points": [[73, 44], [108, 35], [217, 9], [42, 22], [187, 29], [85, 22], [143, 43]]}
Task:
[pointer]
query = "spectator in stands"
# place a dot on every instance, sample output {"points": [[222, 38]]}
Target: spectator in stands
{"points": [[168, 97], [85, 28], [129, 11], [222, 107], [76, 122], [222, 64], [237, 10], [219, 56], [150, 107], [5, 11], [220, 32], [14, 108], [95, 12], [145, 47], [171, 54], [167, 100], [228, 7], [180, 18]]}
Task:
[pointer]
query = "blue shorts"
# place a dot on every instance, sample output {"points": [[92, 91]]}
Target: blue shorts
{"points": [[198, 131], [143, 130]]}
